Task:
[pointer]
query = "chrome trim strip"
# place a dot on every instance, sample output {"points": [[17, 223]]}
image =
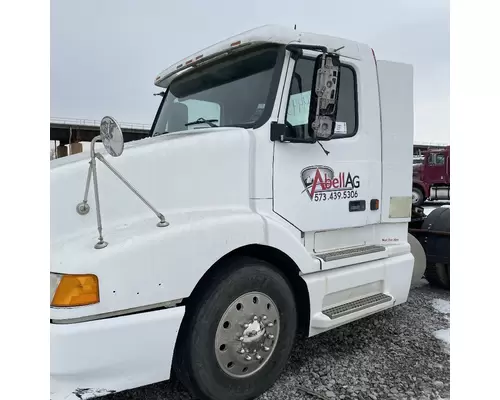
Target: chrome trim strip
{"points": [[120, 313]]}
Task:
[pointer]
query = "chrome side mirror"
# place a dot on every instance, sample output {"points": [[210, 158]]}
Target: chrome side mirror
{"points": [[324, 97], [112, 136]]}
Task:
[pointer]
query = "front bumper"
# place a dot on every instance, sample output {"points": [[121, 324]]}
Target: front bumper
{"points": [[92, 359]]}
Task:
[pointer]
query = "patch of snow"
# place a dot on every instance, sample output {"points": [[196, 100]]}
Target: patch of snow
{"points": [[442, 306], [444, 335], [428, 208]]}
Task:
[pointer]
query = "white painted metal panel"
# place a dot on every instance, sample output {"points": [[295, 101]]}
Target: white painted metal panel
{"points": [[396, 99], [115, 354], [357, 156]]}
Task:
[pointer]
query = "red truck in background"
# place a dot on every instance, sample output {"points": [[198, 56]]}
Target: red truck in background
{"points": [[431, 176]]}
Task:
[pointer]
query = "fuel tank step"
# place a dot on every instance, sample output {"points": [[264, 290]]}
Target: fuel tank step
{"points": [[357, 305], [351, 252]]}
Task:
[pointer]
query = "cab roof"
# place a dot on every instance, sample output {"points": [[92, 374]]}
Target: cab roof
{"points": [[265, 34]]}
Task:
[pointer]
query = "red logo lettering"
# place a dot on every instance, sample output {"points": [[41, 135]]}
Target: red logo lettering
{"points": [[317, 181]]}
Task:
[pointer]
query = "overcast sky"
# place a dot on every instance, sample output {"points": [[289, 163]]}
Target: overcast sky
{"points": [[105, 54]]}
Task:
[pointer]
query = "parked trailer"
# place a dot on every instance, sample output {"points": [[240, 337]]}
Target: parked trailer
{"points": [[273, 199]]}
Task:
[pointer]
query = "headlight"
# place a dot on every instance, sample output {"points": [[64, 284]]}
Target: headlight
{"points": [[73, 290]]}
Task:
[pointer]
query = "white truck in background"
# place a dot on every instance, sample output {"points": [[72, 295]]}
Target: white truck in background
{"points": [[272, 199]]}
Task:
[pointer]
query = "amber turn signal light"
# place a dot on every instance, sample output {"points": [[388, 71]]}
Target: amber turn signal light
{"points": [[76, 290]]}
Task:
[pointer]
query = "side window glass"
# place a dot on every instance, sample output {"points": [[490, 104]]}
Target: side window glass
{"points": [[436, 159], [300, 96]]}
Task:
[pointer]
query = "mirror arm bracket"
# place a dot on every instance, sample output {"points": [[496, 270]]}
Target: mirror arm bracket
{"points": [[162, 223], [83, 208], [279, 134]]}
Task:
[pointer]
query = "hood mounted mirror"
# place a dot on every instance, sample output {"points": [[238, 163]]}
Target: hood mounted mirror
{"points": [[111, 136]]}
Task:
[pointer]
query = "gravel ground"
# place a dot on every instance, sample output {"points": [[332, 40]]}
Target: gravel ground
{"points": [[396, 354]]}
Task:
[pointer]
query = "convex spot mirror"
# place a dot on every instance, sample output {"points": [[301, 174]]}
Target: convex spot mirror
{"points": [[112, 136], [324, 97]]}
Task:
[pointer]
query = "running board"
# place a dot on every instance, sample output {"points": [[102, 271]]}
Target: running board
{"points": [[350, 252], [357, 305], [351, 256], [355, 309]]}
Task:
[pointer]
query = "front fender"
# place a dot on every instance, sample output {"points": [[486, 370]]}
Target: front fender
{"points": [[423, 185], [144, 265]]}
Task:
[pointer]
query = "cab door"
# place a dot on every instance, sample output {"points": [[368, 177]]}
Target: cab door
{"points": [[318, 189], [436, 168]]}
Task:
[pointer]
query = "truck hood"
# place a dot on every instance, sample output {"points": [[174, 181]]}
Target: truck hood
{"points": [[178, 173]]}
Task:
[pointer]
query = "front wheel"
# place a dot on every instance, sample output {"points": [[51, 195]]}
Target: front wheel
{"points": [[417, 197], [238, 333]]}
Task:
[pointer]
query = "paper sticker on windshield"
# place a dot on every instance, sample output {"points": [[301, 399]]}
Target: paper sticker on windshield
{"points": [[341, 128], [298, 108]]}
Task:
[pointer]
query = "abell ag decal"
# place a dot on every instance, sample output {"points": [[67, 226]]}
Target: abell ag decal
{"points": [[321, 184]]}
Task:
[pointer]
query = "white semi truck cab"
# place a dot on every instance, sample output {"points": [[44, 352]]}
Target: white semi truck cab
{"points": [[272, 199]]}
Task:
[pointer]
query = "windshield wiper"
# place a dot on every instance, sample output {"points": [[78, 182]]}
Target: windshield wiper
{"points": [[204, 121]]}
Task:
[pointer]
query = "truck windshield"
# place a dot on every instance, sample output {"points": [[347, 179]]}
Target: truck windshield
{"points": [[238, 91]]}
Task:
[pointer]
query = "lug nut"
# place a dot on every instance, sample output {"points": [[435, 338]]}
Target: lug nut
{"points": [[258, 357], [241, 351], [255, 318], [241, 338], [270, 336], [246, 326], [266, 348], [248, 358], [264, 317], [270, 324]]}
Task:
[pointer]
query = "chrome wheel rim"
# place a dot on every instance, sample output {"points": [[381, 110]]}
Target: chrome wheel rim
{"points": [[247, 334], [415, 197]]}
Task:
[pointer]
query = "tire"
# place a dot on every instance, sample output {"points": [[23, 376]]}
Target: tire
{"points": [[206, 342], [417, 197], [438, 275], [438, 248], [420, 259]]}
